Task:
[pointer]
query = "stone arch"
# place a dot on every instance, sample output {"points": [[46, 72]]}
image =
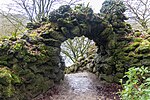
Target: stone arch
{"points": [[33, 60]]}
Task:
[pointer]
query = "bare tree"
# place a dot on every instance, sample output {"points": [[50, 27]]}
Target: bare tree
{"points": [[11, 24], [31, 10], [139, 10], [35, 10], [77, 47]]}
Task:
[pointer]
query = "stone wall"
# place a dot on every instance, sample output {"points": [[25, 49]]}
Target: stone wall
{"points": [[31, 64], [132, 50], [27, 68], [83, 64]]}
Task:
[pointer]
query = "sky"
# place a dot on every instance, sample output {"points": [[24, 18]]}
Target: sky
{"points": [[95, 4]]}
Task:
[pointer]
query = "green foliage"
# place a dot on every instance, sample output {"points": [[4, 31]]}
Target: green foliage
{"points": [[137, 87]]}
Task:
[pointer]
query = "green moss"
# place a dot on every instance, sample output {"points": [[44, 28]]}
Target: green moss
{"points": [[132, 46], [115, 24], [107, 69], [56, 35], [7, 81], [28, 77], [119, 75], [49, 50], [137, 34], [52, 42], [13, 61], [135, 44], [35, 57], [5, 45], [146, 56], [136, 64], [146, 62], [137, 39], [17, 46], [33, 34], [144, 47], [131, 54], [135, 60], [28, 58], [112, 44], [119, 67], [64, 31], [34, 68], [139, 56], [107, 32], [116, 79], [4, 57], [126, 59], [76, 31], [104, 23], [21, 54], [148, 39], [148, 31], [16, 68], [108, 78]]}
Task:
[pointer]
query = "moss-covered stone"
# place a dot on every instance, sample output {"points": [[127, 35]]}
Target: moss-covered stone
{"points": [[76, 31], [137, 34], [7, 82], [33, 60], [138, 39], [108, 78], [146, 62], [132, 46], [107, 69], [56, 35], [119, 75], [144, 47]]}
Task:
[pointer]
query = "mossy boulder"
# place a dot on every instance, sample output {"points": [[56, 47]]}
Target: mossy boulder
{"points": [[144, 47], [137, 34], [132, 46], [137, 39], [108, 78], [8, 81]]}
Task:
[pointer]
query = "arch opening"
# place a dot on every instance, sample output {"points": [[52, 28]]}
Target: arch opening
{"points": [[74, 49], [78, 54]]}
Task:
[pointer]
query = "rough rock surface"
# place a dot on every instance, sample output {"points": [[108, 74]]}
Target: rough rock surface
{"points": [[82, 64]]}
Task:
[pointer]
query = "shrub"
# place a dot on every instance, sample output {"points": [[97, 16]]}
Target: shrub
{"points": [[137, 87]]}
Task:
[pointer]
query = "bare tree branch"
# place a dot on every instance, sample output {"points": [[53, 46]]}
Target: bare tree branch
{"points": [[140, 10], [78, 47]]}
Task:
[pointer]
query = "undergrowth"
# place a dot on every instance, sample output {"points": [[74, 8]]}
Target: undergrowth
{"points": [[137, 87]]}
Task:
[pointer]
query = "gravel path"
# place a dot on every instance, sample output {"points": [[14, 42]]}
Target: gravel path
{"points": [[81, 86]]}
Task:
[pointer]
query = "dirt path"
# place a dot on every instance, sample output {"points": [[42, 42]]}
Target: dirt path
{"points": [[82, 86]]}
